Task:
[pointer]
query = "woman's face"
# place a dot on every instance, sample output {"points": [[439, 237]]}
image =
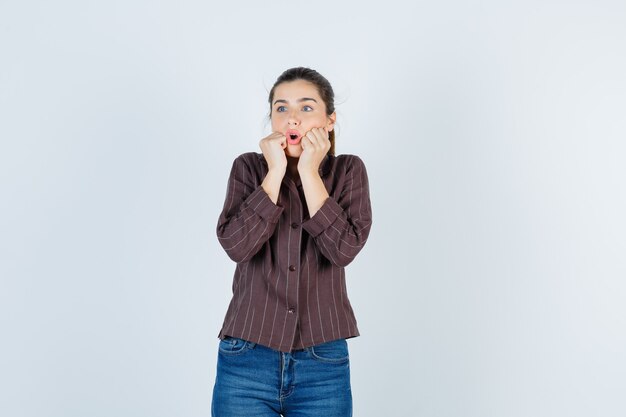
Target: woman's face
{"points": [[296, 109]]}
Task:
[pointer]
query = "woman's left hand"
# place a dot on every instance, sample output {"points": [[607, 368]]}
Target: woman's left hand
{"points": [[315, 146]]}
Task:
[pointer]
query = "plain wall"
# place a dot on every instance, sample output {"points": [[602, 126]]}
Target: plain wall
{"points": [[493, 134]]}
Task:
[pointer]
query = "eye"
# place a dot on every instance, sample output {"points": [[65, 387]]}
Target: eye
{"points": [[278, 108], [309, 108]]}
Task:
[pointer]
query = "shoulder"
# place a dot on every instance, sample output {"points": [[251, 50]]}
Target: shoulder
{"points": [[348, 162], [252, 160]]}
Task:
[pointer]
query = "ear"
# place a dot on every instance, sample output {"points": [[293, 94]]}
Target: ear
{"points": [[331, 121]]}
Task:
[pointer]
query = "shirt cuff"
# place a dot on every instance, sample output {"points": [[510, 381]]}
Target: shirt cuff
{"points": [[323, 218], [263, 205]]}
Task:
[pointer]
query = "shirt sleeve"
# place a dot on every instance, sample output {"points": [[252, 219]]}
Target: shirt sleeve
{"points": [[249, 217], [341, 226]]}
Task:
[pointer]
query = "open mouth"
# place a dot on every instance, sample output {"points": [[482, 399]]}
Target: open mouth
{"points": [[293, 137]]}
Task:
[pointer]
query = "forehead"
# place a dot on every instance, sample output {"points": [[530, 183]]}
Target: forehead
{"points": [[296, 89]]}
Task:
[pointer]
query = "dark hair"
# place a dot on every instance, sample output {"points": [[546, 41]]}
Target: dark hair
{"points": [[322, 85]]}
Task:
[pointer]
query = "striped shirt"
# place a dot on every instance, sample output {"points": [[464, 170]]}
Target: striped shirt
{"points": [[289, 286]]}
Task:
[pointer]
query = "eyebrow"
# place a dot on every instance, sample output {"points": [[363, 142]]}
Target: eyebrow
{"points": [[299, 100]]}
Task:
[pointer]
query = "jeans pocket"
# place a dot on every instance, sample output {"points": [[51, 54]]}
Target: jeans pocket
{"points": [[335, 351], [232, 346]]}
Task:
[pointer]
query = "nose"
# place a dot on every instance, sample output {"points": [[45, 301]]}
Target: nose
{"points": [[293, 118]]}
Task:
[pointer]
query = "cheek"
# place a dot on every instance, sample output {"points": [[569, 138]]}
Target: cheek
{"points": [[321, 121], [276, 119]]}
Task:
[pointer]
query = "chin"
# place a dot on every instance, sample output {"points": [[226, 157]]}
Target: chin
{"points": [[294, 153]]}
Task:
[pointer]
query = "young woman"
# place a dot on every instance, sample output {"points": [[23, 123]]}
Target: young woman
{"points": [[295, 215]]}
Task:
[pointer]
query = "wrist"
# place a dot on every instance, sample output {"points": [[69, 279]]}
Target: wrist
{"points": [[273, 178], [277, 170], [308, 173]]}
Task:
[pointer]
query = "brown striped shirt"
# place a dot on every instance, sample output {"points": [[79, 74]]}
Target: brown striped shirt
{"points": [[289, 286]]}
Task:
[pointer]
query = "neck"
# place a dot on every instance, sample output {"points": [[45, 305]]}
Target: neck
{"points": [[292, 166]]}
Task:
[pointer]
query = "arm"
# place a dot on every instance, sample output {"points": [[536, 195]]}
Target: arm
{"points": [[341, 225], [249, 216], [315, 192]]}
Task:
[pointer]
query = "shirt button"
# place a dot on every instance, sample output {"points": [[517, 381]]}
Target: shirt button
{"points": [[291, 310], [292, 267], [294, 225]]}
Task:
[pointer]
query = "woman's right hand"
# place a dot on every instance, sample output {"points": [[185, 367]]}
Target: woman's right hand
{"points": [[273, 148]]}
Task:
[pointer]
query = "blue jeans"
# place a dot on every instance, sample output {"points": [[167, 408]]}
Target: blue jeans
{"points": [[253, 380]]}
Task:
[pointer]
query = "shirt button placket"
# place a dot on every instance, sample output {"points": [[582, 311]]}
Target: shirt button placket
{"points": [[295, 219]]}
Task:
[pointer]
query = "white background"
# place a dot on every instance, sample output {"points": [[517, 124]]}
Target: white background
{"points": [[493, 133]]}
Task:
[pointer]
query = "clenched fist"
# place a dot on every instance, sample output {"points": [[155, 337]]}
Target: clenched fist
{"points": [[273, 148]]}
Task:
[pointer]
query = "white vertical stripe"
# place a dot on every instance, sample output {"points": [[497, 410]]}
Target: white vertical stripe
{"points": [[242, 282], [251, 322], [341, 286], [351, 187], [345, 308], [232, 194], [308, 288], [249, 298], [287, 266], [363, 191], [317, 289], [277, 279], [332, 287], [298, 269], [230, 314], [267, 294]]}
